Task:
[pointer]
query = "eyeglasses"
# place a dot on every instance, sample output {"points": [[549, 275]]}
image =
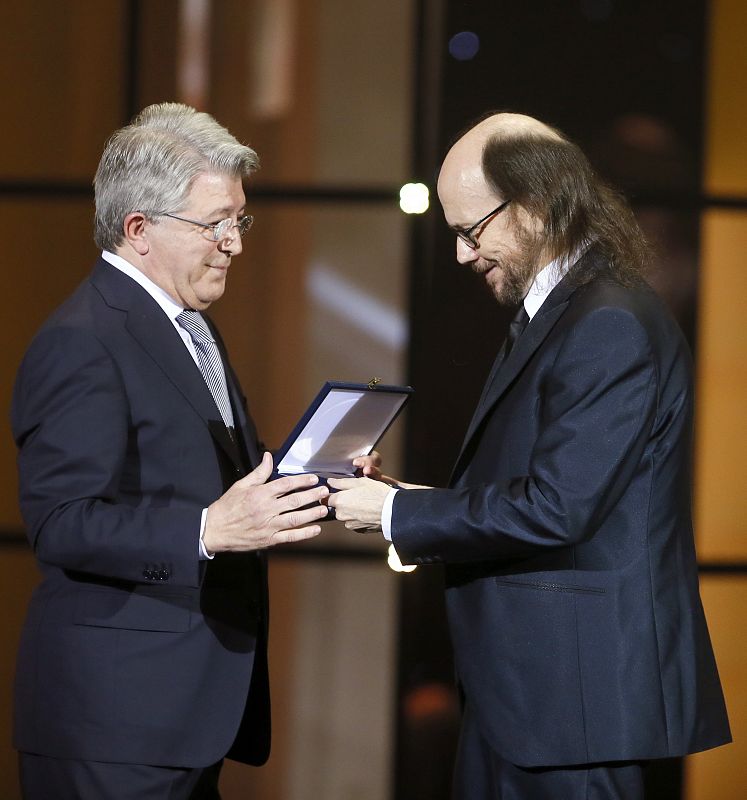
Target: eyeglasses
{"points": [[467, 236], [218, 230]]}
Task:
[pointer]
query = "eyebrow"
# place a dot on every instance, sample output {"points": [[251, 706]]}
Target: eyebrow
{"points": [[225, 212]]}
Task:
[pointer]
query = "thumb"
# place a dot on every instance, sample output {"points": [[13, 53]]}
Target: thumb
{"points": [[260, 474]]}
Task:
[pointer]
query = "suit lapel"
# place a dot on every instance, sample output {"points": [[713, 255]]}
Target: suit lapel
{"points": [[506, 368], [151, 328], [245, 430]]}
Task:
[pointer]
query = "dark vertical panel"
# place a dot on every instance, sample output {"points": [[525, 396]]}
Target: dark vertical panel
{"points": [[580, 64], [427, 711]]}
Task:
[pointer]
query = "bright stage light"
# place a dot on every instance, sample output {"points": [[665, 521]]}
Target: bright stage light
{"points": [[395, 563], [413, 198]]}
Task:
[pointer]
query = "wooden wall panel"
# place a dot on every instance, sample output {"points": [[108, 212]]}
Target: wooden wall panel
{"points": [[721, 430], [63, 69], [726, 121], [721, 774], [20, 575], [721, 509], [47, 252], [721, 460]]}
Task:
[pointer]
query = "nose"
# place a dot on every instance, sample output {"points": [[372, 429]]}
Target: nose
{"points": [[231, 243], [464, 253]]}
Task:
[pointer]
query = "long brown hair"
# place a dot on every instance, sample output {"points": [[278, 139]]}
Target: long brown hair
{"points": [[554, 181]]}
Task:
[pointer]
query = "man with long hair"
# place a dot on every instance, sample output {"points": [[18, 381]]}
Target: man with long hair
{"points": [[580, 642]]}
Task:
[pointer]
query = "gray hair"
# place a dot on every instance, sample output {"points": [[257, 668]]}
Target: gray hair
{"points": [[151, 164]]}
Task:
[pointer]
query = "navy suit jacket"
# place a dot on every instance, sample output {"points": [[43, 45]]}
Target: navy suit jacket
{"points": [[572, 588], [133, 650]]}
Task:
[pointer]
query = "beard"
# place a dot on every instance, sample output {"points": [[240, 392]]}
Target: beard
{"points": [[515, 270]]}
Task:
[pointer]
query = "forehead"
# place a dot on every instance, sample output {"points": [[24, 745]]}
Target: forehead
{"points": [[216, 191], [463, 191]]}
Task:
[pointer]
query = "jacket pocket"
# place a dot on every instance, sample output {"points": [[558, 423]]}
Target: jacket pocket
{"points": [[133, 610], [547, 586]]}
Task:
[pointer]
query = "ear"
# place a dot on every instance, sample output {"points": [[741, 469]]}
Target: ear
{"points": [[135, 233]]}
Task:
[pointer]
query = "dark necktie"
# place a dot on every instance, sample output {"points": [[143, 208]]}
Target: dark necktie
{"points": [[211, 365], [516, 328]]}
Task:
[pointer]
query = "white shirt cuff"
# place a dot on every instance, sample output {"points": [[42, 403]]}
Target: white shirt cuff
{"points": [[204, 555], [386, 515]]}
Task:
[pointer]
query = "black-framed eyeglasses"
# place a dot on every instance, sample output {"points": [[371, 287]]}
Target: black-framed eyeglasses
{"points": [[468, 237], [218, 230]]}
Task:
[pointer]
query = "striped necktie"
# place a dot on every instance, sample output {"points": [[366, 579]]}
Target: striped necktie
{"points": [[211, 365]]}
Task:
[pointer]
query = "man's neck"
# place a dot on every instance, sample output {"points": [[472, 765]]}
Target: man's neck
{"points": [[544, 282]]}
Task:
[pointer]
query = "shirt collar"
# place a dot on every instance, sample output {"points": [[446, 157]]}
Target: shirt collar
{"points": [[547, 279], [171, 309], [544, 282]]}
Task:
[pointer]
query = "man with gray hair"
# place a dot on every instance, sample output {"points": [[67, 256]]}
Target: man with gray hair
{"points": [[142, 662]]}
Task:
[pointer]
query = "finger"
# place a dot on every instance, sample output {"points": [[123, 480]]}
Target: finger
{"points": [[291, 483], [260, 474], [298, 519], [372, 459], [296, 534], [298, 500]]}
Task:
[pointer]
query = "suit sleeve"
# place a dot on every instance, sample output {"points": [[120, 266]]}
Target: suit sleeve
{"points": [[70, 420], [598, 407]]}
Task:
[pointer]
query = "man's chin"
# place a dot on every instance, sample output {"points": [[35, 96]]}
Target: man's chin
{"points": [[495, 279], [212, 293], [204, 301], [506, 294]]}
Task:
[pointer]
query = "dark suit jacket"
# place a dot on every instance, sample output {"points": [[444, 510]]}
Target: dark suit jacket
{"points": [[133, 650], [572, 588]]}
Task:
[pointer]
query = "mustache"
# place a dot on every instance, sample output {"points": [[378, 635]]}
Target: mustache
{"points": [[486, 266]]}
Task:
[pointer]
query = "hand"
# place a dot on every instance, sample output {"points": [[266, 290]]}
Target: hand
{"points": [[358, 502], [370, 467], [254, 514]]}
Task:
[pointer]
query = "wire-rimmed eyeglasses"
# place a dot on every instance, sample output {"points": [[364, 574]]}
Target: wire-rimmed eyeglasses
{"points": [[468, 237], [218, 230]]}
